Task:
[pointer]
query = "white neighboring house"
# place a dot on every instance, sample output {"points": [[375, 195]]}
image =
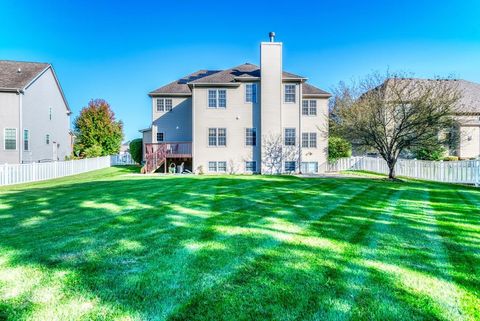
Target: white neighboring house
{"points": [[220, 121], [34, 114]]}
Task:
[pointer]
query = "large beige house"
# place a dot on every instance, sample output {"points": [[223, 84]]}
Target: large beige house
{"points": [[246, 119], [34, 114]]}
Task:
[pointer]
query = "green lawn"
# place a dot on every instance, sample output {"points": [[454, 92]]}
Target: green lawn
{"points": [[107, 245]]}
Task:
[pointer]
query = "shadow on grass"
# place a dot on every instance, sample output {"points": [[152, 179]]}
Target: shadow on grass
{"points": [[203, 247]]}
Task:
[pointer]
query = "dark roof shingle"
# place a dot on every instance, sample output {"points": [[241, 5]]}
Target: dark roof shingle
{"points": [[245, 71], [309, 90], [18, 74]]}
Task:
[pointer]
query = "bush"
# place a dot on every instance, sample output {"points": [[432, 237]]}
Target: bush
{"points": [[434, 152], [93, 151], [338, 148], [136, 150], [450, 158]]}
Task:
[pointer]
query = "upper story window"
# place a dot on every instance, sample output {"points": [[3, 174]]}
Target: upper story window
{"points": [[309, 107], [251, 93], [160, 137], [217, 98], [47, 139], [164, 104], [217, 137], [50, 113], [10, 138], [309, 140], [290, 137], [250, 136], [290, 93], [26, 140]]}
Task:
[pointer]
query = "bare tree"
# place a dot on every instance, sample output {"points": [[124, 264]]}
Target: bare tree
{"points": [[274, 153], [392, 114]]}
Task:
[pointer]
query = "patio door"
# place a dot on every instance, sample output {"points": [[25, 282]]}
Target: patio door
{"points": [[309, 167]]}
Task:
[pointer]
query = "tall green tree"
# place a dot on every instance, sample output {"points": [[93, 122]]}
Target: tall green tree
{"points": [[97, 131]]}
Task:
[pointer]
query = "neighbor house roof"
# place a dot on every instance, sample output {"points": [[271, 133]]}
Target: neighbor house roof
{"points": [[18, 75], [469, 102], [246, 71]]}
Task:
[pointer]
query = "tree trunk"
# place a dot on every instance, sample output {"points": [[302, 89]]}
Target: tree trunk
{"points": [[391, 168]]}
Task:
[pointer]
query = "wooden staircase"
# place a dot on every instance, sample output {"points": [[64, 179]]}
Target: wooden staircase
{"points": [[155, 156]]}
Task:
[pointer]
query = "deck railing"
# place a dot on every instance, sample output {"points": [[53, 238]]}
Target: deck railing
{"points": [[173, 149]]}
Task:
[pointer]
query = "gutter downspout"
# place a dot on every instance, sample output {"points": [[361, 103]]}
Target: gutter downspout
{"points": [[193, 129], [20, 126], [300, 102]]}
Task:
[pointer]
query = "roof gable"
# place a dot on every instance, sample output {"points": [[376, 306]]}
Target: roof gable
{"points": [[16, 75]]}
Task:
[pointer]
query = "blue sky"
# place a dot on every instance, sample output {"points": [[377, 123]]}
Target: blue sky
{"points": [[119, 50]]}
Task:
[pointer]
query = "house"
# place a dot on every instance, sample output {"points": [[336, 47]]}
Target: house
{"points": [[34, 114], [246, 119]]}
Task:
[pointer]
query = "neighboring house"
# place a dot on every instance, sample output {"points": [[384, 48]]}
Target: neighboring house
{"points": [[34, 114], [221, 120]]}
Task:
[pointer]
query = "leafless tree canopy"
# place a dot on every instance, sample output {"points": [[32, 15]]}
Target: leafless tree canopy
{"points": [[394, 113], [274, 152]]}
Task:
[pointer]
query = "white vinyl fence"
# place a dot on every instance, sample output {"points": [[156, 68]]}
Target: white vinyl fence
{"points": [[466, 172], [24, 173], [122, 159]]}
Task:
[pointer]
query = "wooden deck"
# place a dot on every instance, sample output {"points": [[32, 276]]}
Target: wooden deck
{"points": [[156, 154]]}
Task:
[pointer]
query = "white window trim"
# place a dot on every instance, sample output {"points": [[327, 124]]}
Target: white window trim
{"points": [[294, 167], [217, 98], [5, 136], [309, 140], [216, 135], [309, 114], [160, 132], [285, 136], [216, 167], [285, 94], [250, 171], [164, 105], [245, 137], [254, 97], [49, 139], [28, 139]]}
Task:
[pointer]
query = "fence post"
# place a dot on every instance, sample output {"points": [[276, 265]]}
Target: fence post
{"points": [[477, 173], [5, 177]]}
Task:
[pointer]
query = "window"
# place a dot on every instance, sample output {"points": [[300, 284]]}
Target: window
{"points": [[160, 137], [251, 166], [222, 137], [250, 136], [309, 140], [313, 107], [164, 104], [289, 166], [290, 93], [217, 166], [309, 107], [168, 105], [305, 110], [290, 137], [10, 139], [251, 93], [160, 104], [47, 139], [26, 140], [217, 137], [309, 167], [222, 166], [212, 166], [217, 98], [50, 113]]}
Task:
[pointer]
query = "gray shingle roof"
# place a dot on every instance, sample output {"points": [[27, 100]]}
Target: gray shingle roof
{"points": [[11, 78], [180, 86], [470, 93], [231, 75], [309, 90]]}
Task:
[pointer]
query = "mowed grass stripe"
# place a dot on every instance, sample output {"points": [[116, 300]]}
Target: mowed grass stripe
{"points": [[264, 281]]}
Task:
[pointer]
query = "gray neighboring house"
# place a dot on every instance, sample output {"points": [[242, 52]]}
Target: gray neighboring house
{"points": [[219, 121], [34, 114]]}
